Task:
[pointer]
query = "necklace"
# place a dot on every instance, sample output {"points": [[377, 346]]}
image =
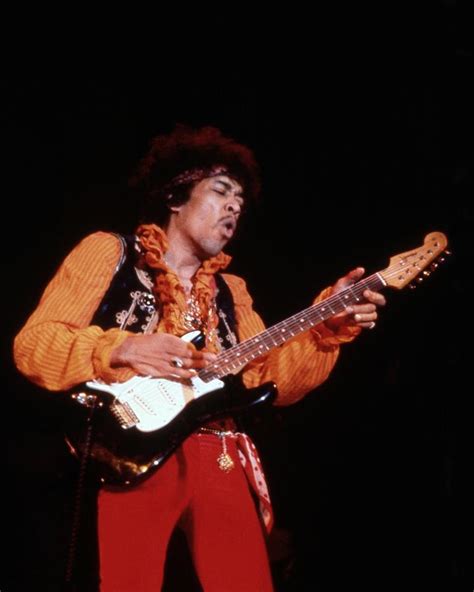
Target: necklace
{"points": [[191, 317], [193, 320]]}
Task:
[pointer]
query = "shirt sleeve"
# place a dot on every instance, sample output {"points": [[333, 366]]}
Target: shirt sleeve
{"points": [[58, 348], [299, 365]]}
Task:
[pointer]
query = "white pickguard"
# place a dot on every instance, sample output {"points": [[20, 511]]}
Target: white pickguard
{"points": [[155, 402]]}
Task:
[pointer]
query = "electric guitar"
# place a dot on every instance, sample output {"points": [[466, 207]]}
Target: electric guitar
{"points": [[139, 423]]}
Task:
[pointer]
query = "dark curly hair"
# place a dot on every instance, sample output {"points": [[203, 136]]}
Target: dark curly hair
{"points": [[176, 161]]}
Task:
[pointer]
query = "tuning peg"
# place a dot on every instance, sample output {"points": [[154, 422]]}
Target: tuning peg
{"points": [[426, 273], [448, 253], [434, 266], [412, 286], [419, 280]]}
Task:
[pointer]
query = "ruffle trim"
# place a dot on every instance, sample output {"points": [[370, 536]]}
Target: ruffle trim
{"points": [[167, 288]]}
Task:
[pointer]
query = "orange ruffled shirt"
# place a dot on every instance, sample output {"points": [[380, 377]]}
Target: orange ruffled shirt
{"points": [[58, 348]]}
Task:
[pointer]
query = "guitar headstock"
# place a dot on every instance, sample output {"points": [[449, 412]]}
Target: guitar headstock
{"points": [[405, 267]]}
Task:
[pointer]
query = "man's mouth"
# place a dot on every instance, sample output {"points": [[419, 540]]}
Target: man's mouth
{"points": [[228, 226]]}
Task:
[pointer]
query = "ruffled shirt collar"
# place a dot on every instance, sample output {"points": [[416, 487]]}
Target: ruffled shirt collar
{"points": [[155, 244], [168, 290]]}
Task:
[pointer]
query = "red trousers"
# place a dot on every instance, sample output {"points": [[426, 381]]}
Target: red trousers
{"points": [[215, 510]]}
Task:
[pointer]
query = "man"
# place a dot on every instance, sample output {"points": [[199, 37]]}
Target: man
{"points": [[93, 322]]}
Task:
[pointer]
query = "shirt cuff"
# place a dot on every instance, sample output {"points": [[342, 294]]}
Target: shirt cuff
{"points": [[328, 338], [110, 340]]}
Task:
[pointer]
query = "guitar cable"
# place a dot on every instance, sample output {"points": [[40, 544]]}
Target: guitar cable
{"points": [[78, 497]]}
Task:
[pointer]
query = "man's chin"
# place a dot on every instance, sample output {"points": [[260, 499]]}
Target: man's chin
{"points": [[212, 248]]}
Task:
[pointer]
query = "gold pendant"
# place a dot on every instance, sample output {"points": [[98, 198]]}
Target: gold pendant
{"points": [[225, 462]]}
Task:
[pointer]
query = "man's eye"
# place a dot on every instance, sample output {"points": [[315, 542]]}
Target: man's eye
{"points": [[220, 191]]}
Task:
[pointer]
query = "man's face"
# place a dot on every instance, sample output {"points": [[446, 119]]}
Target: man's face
{"points": [[208, 220]]}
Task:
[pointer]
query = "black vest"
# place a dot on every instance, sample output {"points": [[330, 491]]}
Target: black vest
{"points": [[130, 304]]}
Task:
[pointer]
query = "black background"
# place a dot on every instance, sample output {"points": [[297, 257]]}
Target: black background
{"points": [[364, 135]]}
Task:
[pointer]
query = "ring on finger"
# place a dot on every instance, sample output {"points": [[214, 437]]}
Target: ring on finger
{"points": [[372, 325], [177, 362]]}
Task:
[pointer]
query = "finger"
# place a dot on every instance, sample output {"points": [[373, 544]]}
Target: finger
{"points": [[365, 318], [196, 364], [184, 368], [190, 362], [375, 297], [195, 354], [176, 346], [178, 362], [355, 274], [352, 277], [185, 351], [171, 371], [163, 371], [364, 308], [191, 357], [370, 325], [201, 355], [182, 373], [146, 370], [349, 279]]}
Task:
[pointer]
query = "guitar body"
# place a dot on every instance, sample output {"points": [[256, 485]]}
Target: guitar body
{"points": [[123, 456]]}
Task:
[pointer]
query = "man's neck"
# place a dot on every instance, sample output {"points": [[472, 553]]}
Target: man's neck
{"points": [[182, 259]]}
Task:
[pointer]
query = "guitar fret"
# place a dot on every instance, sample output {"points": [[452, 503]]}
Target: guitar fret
{"points": [[356, 297]]}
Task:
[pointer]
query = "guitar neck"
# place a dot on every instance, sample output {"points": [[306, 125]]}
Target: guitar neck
{"points": [[233, 359]]}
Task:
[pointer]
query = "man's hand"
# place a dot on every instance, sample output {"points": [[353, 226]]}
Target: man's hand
{"points": [[357, 315], [160, 355]]}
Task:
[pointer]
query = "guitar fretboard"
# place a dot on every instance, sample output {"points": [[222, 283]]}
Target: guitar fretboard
{"points": [[231, 360]]}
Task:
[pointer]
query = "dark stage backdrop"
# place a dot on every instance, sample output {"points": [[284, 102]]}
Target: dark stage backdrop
{"points": [[365, 144]]}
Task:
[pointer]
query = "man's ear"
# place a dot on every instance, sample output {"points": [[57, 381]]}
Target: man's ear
{"points": [[172, 208]]}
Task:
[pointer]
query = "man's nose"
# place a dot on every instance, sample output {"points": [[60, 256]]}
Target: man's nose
{"points": [[233, 207]]}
